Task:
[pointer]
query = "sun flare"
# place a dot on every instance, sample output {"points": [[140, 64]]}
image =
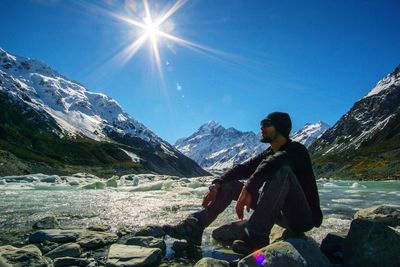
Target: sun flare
{"points": [[156, 29]]}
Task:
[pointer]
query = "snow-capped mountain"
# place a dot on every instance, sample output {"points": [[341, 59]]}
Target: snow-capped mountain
{"points": [[309, 133], [74, 112], [365, 141], [216, 148]]}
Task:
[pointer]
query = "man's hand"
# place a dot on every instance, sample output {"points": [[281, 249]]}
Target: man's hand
{"points": [[210, 196], [243, 200]]}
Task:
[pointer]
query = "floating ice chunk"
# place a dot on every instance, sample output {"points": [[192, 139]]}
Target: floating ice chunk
{"points": [[357, 185], [131, 177], [329, 184], [195, 184], [159, 185], [112, 182], [346, 200], [21, 179], [95, 185]]}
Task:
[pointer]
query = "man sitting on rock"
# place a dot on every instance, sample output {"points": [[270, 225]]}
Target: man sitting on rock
{"points": [[289, 196]]}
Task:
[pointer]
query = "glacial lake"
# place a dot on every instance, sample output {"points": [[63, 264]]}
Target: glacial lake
{"points": [[141, 200]]}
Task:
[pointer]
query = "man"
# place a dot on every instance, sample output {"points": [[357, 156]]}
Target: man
{"points": [[289, 196]]}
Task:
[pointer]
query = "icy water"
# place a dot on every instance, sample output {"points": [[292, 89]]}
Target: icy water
{"points": [[139, 200]]}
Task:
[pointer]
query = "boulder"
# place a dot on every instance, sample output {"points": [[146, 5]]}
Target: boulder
{"points": [[210, 262], [47, 246], [65, 250], [129, 255], [151, 230], [93, 239], [20, 257], [85, 238], [371, 244], [49, 222], [146, 241], [99, 228], [54, 235], [386, 214], [33, 249], [332, 247], [183, 249], [70, 261], [228, 233], [292, 252]]}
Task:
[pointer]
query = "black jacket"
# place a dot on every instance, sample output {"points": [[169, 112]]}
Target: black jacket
{"points": [[261, 167]]}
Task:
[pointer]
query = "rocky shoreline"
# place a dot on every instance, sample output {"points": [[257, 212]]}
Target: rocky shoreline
{"points": [[371, 240]]}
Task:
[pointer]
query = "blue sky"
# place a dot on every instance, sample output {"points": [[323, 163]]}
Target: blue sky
{"points": [[312, 59]]}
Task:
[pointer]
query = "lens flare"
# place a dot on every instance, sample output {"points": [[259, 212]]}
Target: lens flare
{"points": [[259, 258]]}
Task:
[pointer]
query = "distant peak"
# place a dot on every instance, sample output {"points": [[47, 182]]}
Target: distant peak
{"points": [[392, 79], [319, 122], [4, 53], [212, 123]]}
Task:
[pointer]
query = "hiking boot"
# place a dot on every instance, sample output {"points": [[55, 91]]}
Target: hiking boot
{"points": [[189, 230], [249, 243]]}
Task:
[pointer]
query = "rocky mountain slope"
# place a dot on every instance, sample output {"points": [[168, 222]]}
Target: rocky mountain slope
{"points": [[309, 133], [364, 143], [51, 124]]}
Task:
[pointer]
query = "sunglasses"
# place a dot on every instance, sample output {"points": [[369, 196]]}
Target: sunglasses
{"points": [[265, 123]]}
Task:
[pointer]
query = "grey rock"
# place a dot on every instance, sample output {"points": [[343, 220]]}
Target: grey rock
{"points": [[332, 247], [93, 239], [151, 230], [292, 252], [229, 232], [33, 249], [123, 230], [18, 257], [49, 222], [54, 235], [386, 214], [128, 256], [176, 262], [47, 246], [210, 262], [70, 261], [100, 227], [146, 241], [371, 244], [65, 250], [85, 238], [183, 249]]}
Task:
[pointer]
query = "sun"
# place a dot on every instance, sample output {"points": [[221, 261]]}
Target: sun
{"points": [[152, 29]]}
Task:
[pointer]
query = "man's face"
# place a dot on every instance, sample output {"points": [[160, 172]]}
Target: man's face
{"points": [[268, 132]]}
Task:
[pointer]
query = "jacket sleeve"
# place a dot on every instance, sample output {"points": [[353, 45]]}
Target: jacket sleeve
{"points": [[266, 169], [242, 171]]}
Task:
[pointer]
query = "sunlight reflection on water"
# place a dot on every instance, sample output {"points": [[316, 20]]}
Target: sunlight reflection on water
{"points": [[167, 202]]}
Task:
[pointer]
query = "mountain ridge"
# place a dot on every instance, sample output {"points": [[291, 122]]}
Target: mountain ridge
{"points": [[363, 143], [76, 115]]}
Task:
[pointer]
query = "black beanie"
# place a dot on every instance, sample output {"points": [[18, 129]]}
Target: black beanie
{"points": [[281, 121]]}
